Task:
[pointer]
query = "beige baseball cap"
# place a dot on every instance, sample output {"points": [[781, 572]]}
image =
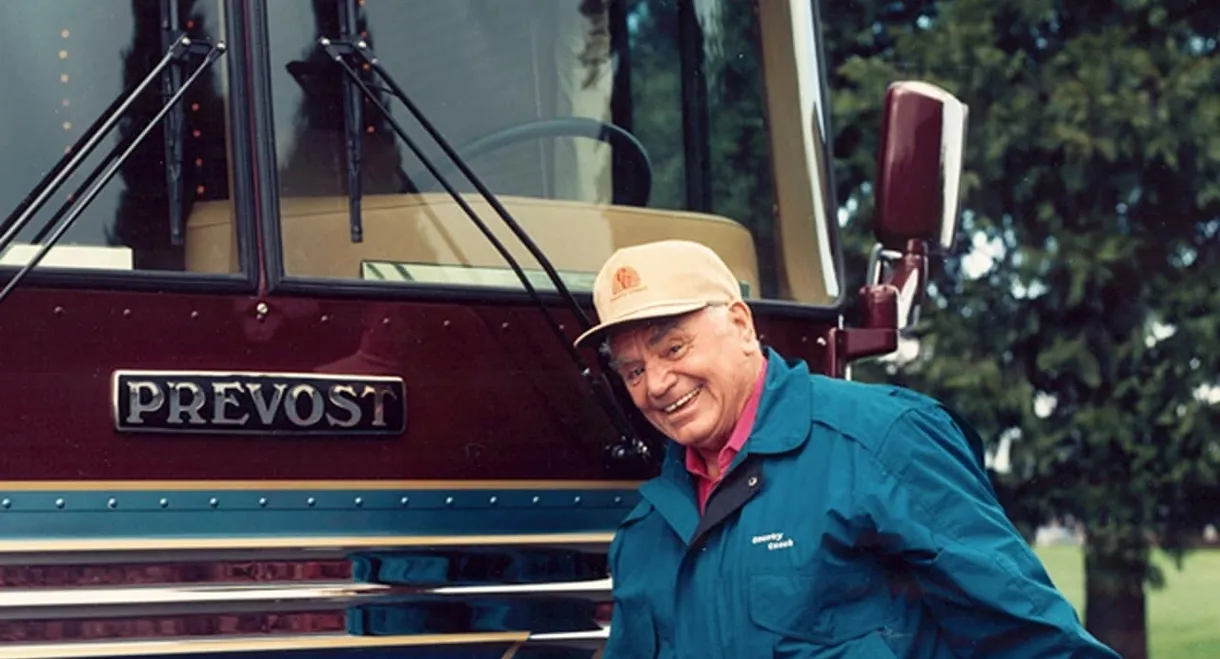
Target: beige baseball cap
{"points": [[658, 279]]}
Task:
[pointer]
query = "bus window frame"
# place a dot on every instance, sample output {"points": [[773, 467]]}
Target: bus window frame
{"points": [[243, 197]]}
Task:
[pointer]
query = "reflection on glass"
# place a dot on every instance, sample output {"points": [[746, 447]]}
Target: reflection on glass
{"points": [[71, 59], [502, 82]]}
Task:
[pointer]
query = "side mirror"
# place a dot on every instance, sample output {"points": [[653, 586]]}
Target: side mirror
{"points": [[918, 188], [917, 194], [919, 166]]}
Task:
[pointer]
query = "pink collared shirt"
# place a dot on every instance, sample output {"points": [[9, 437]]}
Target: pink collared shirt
{"points": [[704, 483]]}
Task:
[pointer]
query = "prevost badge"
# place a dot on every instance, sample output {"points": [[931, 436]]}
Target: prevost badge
{"points": [[262, 403]]}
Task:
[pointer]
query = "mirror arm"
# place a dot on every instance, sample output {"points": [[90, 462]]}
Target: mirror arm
{"points": [[910, 278]]}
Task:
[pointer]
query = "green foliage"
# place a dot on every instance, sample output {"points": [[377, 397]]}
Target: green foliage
{"points": [[1093, 166]]}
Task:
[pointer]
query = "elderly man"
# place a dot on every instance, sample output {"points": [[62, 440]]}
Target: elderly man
{"points": [[797, 515]]}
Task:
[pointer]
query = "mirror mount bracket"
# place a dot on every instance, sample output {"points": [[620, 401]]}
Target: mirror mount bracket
{"points": [[889, 306], [877, 333]]}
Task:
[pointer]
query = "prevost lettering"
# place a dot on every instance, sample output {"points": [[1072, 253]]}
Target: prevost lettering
{"points": [[179, 401]]}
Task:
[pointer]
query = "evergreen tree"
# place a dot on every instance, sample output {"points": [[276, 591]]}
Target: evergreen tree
{"points": [[1093, 177]]}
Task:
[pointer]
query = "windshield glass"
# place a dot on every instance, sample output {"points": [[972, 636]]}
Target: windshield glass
{"points": [[522, 90], [62, 64]]}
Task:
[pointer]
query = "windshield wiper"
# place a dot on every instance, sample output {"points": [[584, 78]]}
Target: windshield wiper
{"points": [[181, 48], [353, 117], [631, 443]]}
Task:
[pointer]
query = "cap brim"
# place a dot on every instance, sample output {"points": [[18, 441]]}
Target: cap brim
{"points": [[645, 313]]}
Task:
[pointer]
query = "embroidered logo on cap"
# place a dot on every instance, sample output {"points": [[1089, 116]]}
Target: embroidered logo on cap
{"points": [[625, 280]]}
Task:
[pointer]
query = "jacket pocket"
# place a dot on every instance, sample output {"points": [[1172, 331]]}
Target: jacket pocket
{"points": [[819, 606]]}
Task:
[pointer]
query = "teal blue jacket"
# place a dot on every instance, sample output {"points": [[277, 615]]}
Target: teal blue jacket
{"points": [[857, 521]]}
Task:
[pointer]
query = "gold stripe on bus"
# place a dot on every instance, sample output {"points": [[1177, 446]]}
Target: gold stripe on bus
{"points": [[303, 543]]}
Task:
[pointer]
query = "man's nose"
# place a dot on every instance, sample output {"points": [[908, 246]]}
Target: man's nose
{"points": [[659, 379]]}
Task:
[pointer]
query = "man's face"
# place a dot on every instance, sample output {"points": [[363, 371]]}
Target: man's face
{"points": [[690, 375]]}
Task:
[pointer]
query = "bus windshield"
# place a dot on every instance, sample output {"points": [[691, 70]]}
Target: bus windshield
{"points": [[598, 124]]}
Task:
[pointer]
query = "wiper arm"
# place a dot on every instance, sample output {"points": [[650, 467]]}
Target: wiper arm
{"points": [[171, 80], [631, 443], [84, 146], [353, 121]]}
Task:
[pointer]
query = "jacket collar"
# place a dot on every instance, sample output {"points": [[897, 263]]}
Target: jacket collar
{"points": [[778, 428]]}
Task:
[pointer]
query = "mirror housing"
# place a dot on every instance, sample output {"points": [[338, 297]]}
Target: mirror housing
{"points": [[919, 166], [917, 195]]}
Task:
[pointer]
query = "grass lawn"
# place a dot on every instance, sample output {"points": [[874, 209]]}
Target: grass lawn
{"points": [[1183, 617]]}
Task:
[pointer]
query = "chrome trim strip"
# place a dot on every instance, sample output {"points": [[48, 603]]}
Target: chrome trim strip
{"points": [[567, 587], [271, 644], [86, 602], [599, 635], [43, 603]]}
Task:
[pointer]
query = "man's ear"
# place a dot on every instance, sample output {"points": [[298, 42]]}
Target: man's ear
{"points": [[743, 323]]}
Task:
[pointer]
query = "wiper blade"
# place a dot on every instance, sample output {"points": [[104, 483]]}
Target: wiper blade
{"points": [[84, 146], [631, 442]]}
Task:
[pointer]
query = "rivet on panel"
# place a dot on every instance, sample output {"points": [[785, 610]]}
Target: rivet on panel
{"points": [[492, 501], [7, 503], [448, 501], [213, 502], [822, 341], [385, 321], [359, 502], [59, 311], [404, 501], [618, 500], [113, 503], [194, 315], [447, 323], [59, 503], [310, 501], [503, 326], [262, 502], [804, 339], [127, 313], [537, 500], [165, 503], [326, 318], [576, 500]]}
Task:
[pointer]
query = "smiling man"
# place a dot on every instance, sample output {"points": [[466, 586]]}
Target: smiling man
{"points": [[797, 515]]}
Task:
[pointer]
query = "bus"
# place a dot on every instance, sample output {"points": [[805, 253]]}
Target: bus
{"points": [[288, 291]]}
